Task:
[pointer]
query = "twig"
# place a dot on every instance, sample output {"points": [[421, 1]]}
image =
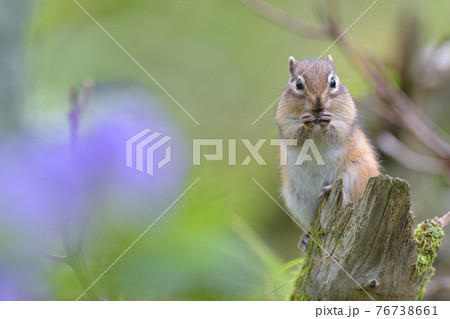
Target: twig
{"points": [[286, 20], [443, 221], [390, 145], [412, 117]]}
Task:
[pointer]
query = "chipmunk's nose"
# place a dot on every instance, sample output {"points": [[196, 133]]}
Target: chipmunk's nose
{"points": [[317, 104]]}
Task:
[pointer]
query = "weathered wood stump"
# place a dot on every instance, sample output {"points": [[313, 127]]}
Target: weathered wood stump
{"points": [[371, 251]]}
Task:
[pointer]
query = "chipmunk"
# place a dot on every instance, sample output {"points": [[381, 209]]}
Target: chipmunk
{"points": [[317, 106]]}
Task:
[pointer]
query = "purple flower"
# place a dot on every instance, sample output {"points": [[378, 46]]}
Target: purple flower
{"points": [[21, 282], [42, 184]]}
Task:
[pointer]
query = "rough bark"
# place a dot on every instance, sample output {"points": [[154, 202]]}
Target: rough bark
{"points": [[370, 252]]}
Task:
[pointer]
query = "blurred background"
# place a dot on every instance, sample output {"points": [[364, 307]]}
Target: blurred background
{"points": [[70, 98]]}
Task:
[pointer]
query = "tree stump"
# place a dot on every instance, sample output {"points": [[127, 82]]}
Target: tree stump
{"points": [[370, 252]]}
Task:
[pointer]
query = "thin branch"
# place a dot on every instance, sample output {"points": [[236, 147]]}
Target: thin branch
{"points": [[390, 145], [412, 116], [443, 221], [286, 20]]}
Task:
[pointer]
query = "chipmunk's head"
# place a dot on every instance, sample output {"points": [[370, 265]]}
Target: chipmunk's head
{"points": [[314, 87]]}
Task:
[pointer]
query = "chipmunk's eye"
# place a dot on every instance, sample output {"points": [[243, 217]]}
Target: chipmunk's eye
{"points": [[332, 83], [299, 85]]}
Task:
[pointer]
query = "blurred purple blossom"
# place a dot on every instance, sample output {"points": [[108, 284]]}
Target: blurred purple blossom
{"points": [[41, 184], [17, 283]]}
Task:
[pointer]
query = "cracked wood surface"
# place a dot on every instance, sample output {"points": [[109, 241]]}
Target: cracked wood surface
{"points": [[373, 242]]}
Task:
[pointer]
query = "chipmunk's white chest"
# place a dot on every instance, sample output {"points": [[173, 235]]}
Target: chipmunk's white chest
{"points": [[306, 180]]}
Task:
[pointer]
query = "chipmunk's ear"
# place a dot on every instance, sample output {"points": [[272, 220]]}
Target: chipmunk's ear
{"points": [[292, 66], [330, 60]]}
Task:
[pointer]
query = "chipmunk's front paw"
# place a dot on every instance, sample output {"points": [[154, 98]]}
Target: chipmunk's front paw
{"points": [[324, 118], [325, 192], [308, 119]]}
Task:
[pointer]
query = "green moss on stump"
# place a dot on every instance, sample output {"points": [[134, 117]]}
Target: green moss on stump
{"points": [[428, 236], [302, 276], [307, 264]]}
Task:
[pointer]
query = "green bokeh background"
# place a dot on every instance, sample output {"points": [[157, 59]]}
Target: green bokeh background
{"points": [[226, 239]]}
